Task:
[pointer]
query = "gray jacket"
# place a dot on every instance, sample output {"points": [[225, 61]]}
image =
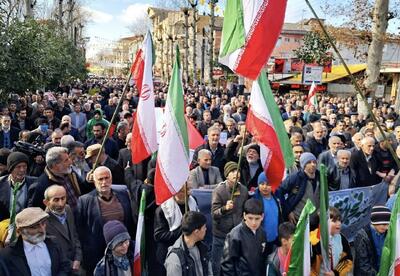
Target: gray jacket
{"points": [[223, 220], [196, 178]]}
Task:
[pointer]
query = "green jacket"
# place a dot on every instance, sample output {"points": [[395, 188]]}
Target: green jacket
{"points": [[92, 122]]}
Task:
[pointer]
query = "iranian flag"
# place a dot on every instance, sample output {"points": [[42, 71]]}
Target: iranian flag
{"points": [[249, 34], [300, 258], [144, 132], [390, 260], [265, 123], [324, 220], [195, 138], [140, 241], [172, 168], [312, 95]]}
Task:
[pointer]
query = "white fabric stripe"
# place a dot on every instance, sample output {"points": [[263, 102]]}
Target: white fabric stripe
{"points": [[172, 155], [138, 237], [250, 12], [145, 111], [306, 257], [258, 104], [231, 59]]}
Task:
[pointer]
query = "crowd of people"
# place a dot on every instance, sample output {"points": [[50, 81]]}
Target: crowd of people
{"points": [[59, 216]]}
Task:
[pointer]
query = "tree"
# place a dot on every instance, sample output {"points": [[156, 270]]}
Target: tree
{"points": [[33, 55], [314, 49]]}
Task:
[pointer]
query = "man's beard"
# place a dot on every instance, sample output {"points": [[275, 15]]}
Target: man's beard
{"points": [[34, 239], [251, 161]]}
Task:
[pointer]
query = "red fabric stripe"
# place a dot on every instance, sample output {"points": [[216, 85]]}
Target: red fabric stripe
{"points": [[137, 70], [195, 139], [259, 47], [266, 135], [137, 268], [138, 149], [161, 188], [397, 268]]}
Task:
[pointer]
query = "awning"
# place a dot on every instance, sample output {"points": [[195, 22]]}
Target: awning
{"points": [[338, 72]]}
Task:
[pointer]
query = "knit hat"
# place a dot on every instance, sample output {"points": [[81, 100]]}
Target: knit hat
{"points": [[114, 233], [380, 215], [254, 147], [262, 178], [305, 158], [15, 158], [230, 166]]}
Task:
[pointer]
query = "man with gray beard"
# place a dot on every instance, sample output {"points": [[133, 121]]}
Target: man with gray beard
{"points": [[33, 254], [59, 171]]}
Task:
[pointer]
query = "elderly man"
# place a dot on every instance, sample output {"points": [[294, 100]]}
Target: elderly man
{"points": [[61, 225], [17, 166], [251, 166], [105, 160], [317, 143], [328, 158], [76, 151], [8, 134], [356, 139], [364, 163], [33, 254], [342, 176], [298, 187], [78, 120], [55, 139], [94, 210], [205, 175], [59, 171], [216, 149]]}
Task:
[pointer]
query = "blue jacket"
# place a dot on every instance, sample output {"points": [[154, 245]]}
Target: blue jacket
{"points": [[292, 190]]}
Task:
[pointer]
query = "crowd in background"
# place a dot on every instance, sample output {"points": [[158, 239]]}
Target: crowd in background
{"points": [[71, 219]]}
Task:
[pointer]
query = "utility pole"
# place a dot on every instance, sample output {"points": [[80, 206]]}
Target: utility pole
{"points": [[203, 49], [29, 5], [60, 14], [185, 11], [211, 42], [194, 26]]}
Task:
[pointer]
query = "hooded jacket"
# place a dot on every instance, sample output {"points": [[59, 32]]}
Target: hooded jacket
{"points": [[92, 122]]}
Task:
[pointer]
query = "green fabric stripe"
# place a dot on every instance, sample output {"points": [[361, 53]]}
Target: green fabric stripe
{"points": [[175, 97], [389, 248], [233, 33], [279, 127], [323, 216], [297, 251]]}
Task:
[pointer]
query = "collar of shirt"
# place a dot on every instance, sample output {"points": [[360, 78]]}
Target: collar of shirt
{"points": [[12, 182], [29, 247]]}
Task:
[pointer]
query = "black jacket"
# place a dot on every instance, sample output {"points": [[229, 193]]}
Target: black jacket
{"points": [[116, 171], [244, 252], [334, 179], [13, 260], [315, 147], [5, 193], [110, 146], [14, 132], [365, 253], [363, 176]]}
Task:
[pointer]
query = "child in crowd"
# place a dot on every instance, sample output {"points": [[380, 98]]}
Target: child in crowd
{"points": [[272, 211], [279, 260], [244, 249], [340, 259]]}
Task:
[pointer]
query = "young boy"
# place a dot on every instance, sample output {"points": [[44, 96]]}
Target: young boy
{"points": [[272, 211], [341, 260], [279, 260], [244, 250]]}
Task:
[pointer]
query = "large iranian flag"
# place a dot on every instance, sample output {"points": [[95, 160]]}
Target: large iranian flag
{"points": [[140, 238], [300, 258], [172, 169], [265, 123], [144, 132], [390, 260], [249, 34]]}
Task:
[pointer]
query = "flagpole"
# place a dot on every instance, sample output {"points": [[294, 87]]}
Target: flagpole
{"points": [[239, 162], [355, 84], [125, 89], [186, 198]]}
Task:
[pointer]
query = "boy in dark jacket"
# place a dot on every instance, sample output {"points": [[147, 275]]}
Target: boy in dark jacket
{"points": [[245, 245], [368, 243]]}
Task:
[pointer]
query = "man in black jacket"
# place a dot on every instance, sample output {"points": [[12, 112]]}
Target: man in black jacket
{"points": [[33, 253], [245, 251], [8, 133]]}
